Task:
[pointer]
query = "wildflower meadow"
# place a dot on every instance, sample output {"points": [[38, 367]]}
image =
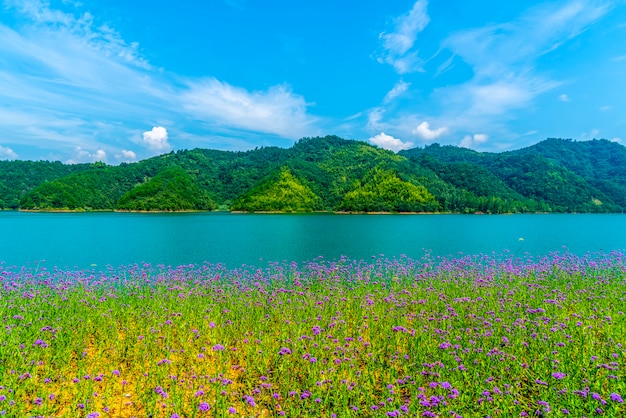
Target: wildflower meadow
{"points": [[476, 336]]}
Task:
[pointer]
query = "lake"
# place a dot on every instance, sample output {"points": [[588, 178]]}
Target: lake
{"points": [[79, 240]]}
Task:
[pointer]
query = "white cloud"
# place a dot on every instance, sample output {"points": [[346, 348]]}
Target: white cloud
{"points": [[398, 44], [100, 155], [564, 98], [398, 89], [156, 139], [423, 131], [389, 142], [7, 153], [277, 110], [126, 155], [470, 141], [480, 138], [605, 108], [83, 156], [618, 140]]}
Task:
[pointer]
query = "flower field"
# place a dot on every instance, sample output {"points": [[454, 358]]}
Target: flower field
{"points": [[469, 337]]}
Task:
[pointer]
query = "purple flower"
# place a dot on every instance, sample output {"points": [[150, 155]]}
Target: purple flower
{"points": [[93, 415], [615, 397], [232, 410], [159, 390], [558, 375], [218, 347], [203, 406]]}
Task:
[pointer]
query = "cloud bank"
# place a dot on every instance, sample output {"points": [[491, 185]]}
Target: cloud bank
{"points": [[83, 156], [504, 78]]}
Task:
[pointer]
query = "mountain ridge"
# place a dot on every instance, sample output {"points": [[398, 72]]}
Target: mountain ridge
{"points": [[334, 174]]}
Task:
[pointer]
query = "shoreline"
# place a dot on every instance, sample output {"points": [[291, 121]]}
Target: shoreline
{"points": [[294, 213]]}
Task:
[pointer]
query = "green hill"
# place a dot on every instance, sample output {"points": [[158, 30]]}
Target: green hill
{"points": [[281, 191], [556, 175], [97, 187], [383, 191], [331, 173], [170, 190], [19, 177]]}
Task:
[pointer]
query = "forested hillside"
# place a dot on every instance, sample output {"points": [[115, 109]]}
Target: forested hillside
{"points": [[334, 174]]}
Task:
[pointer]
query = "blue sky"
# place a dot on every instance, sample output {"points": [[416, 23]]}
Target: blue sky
{"points": [[113, 80]]}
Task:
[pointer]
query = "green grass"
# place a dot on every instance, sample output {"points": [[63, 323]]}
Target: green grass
{"points": [[476, 336]]}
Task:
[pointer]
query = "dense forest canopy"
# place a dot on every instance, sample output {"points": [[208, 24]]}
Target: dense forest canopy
{"points": [[333, 174]]}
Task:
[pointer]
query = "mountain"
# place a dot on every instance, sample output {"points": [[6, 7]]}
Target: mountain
{"points": [[333, 174]]}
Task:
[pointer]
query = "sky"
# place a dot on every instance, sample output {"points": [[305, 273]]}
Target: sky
{"points": [[120, 81]]}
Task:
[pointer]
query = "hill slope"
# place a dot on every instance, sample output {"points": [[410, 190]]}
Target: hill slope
{"points": [[170, 190], [281, 191]]}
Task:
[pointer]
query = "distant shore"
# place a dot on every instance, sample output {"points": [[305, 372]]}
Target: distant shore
{"points": [[256, 212]]}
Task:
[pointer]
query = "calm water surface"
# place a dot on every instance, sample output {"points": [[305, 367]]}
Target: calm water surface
{"points": [[69, 240]]}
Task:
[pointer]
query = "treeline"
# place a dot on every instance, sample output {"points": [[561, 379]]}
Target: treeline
{"points": [[334, 174]]}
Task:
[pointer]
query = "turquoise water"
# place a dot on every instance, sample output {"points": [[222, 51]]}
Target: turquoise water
{"points": [[68, 240]]}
